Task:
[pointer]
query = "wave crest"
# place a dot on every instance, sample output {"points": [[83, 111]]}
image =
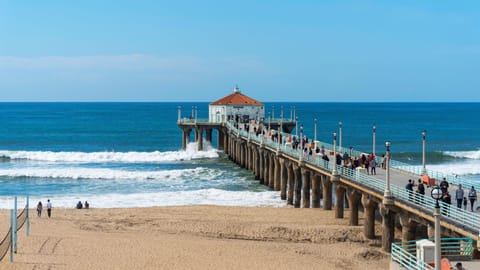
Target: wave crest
{"points": [[107, 157], [464, 154]]}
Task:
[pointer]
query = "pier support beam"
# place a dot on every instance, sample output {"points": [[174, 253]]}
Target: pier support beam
{"points": [[306, 188], [283, 180], [354, 198], [316, 182], [327, 193], [261, 162], [256, 160], [388, 227], [339, 200], [208, 135], [409, 228], [199, 138], [291, 183], [298, 186], [220, 141], [369, 206], [266, 170], [277, 174], [185, 137], [271, 173]]}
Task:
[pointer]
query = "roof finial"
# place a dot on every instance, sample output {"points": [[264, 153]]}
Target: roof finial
{"points": [[236, 89]]}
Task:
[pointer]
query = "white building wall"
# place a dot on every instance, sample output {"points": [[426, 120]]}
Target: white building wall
{"points": [[219, 113]]}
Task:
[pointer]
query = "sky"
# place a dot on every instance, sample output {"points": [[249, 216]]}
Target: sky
{"points": [[334, 51]]}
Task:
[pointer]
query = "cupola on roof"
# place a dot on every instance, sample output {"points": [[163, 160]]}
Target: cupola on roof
{"points": [[237, 98]]}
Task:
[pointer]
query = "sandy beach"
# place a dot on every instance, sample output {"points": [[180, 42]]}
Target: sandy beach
{"points": [[193, 237]]}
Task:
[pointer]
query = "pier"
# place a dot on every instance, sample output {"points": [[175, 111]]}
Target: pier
{"points": [[310, 182]]}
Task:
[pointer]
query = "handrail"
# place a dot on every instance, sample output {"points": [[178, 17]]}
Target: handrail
{"points": [[453, 248], [406, 259]]}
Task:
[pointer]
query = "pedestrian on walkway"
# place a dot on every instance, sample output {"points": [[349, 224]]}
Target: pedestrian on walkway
{"points": [[420, 191], [409, 188], [472, 196], [373, 165], [459, 196]]}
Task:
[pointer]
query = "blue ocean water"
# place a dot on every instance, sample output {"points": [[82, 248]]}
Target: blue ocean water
{"points": [[129, 154]]}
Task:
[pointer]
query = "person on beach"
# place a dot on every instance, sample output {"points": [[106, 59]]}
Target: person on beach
{"points": [[49, 208], [87, 205], [79, 205], [39, 209], [472, 196], [459, 196]]}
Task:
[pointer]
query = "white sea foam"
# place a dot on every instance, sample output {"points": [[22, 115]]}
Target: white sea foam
{"points": [[464, 154], [105, 157], [197, 197], [464, 168], [103, 173]]}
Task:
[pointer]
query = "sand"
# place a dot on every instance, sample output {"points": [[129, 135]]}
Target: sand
{"points": [[193, 237]]}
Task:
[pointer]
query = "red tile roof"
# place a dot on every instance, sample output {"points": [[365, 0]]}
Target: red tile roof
{"points": [[237, 98]]}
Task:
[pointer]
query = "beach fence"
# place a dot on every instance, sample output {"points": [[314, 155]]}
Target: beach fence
{"points": [[9, 241]]}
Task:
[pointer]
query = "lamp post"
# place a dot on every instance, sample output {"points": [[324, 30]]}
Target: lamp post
{"points": [[340, 125], [436, 195], [387, 196], [196, 114], [269, 119], [294, 112], [424, 140], [296, 128], [334, 171], [273, 112], [291, 113], [374, 134], [315, 132], [179, 113]]}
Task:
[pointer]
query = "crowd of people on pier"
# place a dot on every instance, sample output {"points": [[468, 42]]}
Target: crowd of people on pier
{"points": [[461, 197]]}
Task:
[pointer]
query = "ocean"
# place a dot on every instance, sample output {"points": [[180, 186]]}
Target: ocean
{"points": [[129, 154]]}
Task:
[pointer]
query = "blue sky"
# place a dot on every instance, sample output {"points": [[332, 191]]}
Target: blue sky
{"points": [[274, 50]]}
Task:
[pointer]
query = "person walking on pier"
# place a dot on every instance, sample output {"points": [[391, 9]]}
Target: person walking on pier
{"points": [[420, 191], [409, 188], [373, 165], [444, 185], [459, 196], [472, 196], [447, 200]]}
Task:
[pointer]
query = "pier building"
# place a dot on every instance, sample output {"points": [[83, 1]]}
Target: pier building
{"points": [[237, 107]]}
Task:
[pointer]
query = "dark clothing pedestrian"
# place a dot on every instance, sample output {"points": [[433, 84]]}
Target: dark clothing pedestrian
{"points": [[39, 209], [447, 200], [444, 185], [420, 191], [409, 188], [472, 196]]}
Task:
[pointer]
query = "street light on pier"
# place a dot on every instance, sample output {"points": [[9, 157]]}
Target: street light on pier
{"points": [[269, 119], [273, 112], [437, 195], [340, 125], [281, 111], [374, 130], [334, 171], [179, 113], [296, 128], [315, 132], [291, 113], [387, 196], [294, 112], [424, 140]]}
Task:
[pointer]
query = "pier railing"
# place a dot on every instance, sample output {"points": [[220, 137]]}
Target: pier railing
{"points": [[469, 220], [404, 253]]}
